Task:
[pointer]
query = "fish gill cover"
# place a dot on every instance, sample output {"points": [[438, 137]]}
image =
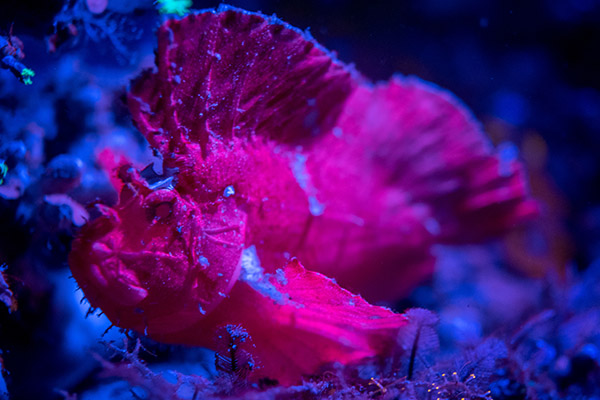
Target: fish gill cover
{"points": [[289, 183]]}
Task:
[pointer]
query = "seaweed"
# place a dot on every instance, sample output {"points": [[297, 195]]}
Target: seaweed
{"points": [[233, 360], [419, 339]]}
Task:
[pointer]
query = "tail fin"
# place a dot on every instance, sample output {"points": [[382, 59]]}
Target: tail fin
{"points": [[427, 144]]}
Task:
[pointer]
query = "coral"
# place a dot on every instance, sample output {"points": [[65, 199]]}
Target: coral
{"points": [[99, 21], [6, 295], [3, 390], [11, 50], [467, 375], [148, 383], [280, 151], [3, 171], [536, 361], [179, 7]]}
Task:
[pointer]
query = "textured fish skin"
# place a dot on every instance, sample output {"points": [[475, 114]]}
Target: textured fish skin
{"points": [[282, 151]]}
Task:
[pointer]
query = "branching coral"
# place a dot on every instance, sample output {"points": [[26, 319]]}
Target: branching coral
{"points": [[282, 151]]}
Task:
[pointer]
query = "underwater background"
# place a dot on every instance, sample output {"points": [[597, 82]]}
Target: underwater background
{"points": [[520, 312]]}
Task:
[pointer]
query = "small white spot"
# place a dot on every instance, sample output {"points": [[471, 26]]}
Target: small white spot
{"points": [[253, 274], [229, 191], [299, 170], [315, 207], [203, 261], [251, 269]]}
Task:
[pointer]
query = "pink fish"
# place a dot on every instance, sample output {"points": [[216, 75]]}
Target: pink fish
{"points": [[291, 168]]}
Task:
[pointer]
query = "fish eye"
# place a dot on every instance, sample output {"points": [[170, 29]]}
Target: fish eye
{"points": [[160, 205]]}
